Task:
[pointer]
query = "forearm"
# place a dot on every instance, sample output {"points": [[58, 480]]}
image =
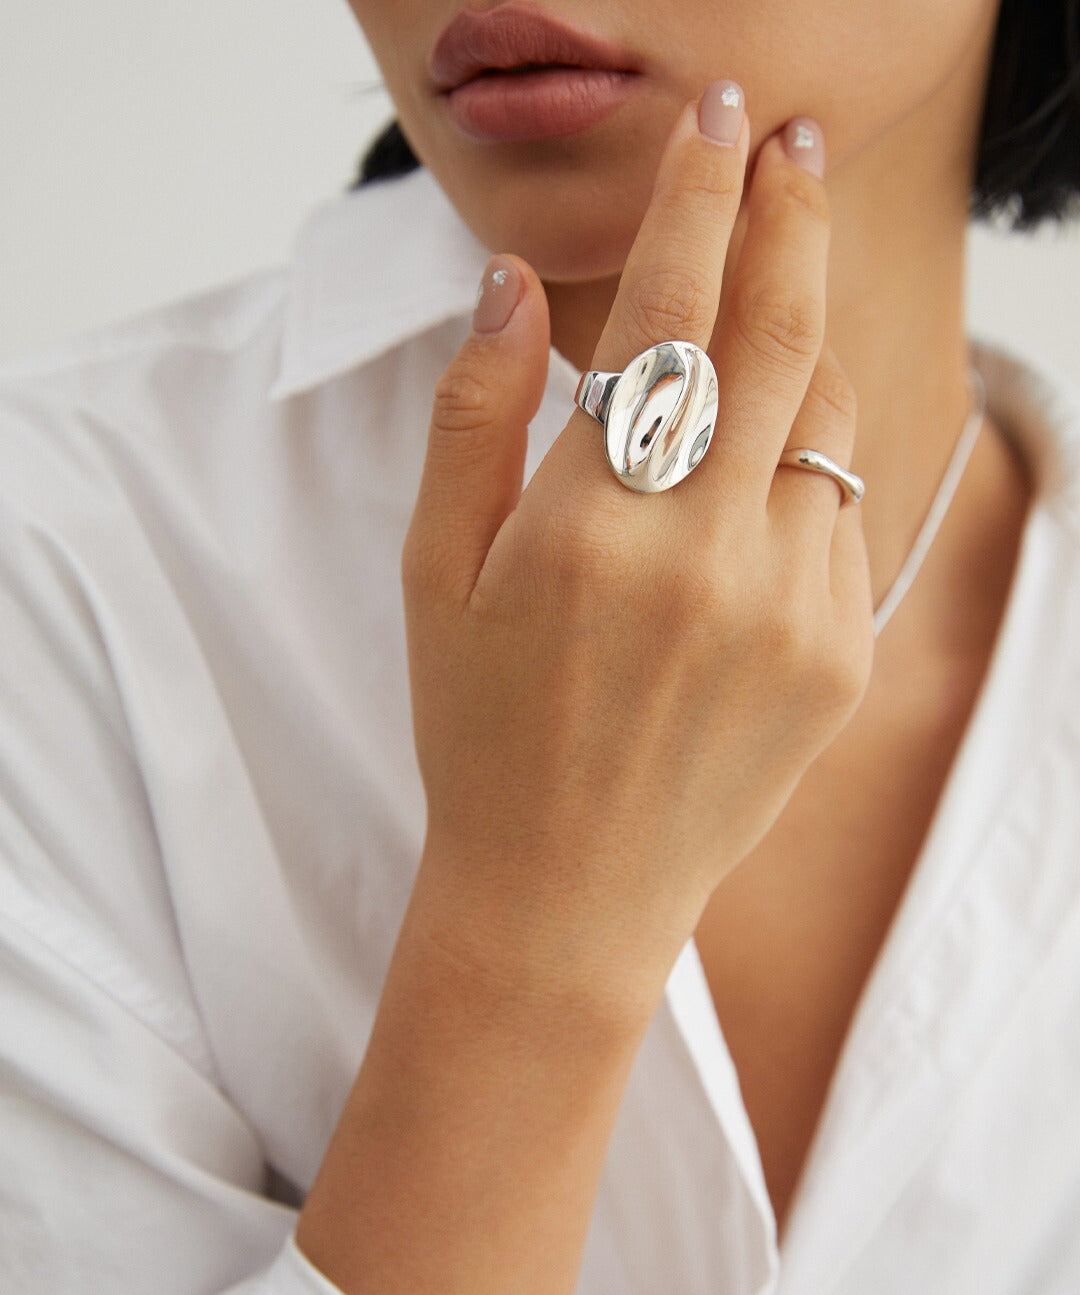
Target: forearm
{"points": [[468, 1156]]}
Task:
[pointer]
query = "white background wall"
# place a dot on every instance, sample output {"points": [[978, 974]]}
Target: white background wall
{"points": [[147, 153]]}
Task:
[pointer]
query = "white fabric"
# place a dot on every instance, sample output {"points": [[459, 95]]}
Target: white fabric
{"points": [[211, 818]]}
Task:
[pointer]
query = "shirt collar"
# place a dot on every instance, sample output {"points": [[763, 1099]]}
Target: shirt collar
{"points": [[370, 268]]}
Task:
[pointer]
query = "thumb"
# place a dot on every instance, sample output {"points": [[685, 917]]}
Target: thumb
{"points": [[483, 403]]}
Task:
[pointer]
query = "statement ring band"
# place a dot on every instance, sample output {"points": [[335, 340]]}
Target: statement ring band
{"points": [[852, 486], [658, 414]]}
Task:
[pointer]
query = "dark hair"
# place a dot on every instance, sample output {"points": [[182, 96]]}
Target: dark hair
{"points": [[1028, 164]]}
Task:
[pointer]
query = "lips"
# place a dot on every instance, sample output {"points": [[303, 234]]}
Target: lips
{"points": [[512, 37]]}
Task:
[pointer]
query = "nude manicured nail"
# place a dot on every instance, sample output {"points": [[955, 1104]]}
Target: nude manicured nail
{"points": [[497, 295], [804, 143], [721, 111]]}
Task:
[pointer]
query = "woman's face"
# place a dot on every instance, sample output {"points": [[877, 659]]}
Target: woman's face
{"points": [[893, 83]]}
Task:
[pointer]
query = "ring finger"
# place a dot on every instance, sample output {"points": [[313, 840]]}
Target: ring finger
{"points": [[771, 326], [801, 499]]}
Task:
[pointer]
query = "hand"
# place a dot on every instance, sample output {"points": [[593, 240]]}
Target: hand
{"points": [[615, 694]]}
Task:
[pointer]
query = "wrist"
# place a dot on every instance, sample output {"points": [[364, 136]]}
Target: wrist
{"points": [[471, 1146], [576, 957]]}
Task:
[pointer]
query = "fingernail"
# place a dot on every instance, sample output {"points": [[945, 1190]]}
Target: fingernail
{"points": [[804, 143], [721, 111], [497, 295]]}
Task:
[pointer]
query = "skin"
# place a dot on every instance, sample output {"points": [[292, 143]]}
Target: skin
{"points": [[788, 937], [897, 89]]}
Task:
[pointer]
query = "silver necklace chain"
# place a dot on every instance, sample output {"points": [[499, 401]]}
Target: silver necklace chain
{"points": [[939, 507]]}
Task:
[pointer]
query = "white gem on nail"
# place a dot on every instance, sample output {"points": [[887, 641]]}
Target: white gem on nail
{"points": [[804, 137], [500, 276], [729, 97]]}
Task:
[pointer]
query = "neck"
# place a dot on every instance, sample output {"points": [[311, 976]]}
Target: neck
{"points": [[895, 308]]}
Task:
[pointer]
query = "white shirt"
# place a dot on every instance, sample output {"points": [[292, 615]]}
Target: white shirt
{"points": [[211, 819]]}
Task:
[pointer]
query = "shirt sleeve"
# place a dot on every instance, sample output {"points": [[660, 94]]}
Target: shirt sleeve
{"points": [[126, 1166], [125, 1169]]}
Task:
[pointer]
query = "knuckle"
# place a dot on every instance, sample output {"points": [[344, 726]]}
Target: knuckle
{"points": [[580, 549], [784, 635], [693, 604], [780, 326], [462, 400], [843, 674], [861, 643], [834, 667], [419, 564], [716, 190], [800, 195], [698, 168], [832, 388], [669, 303]]}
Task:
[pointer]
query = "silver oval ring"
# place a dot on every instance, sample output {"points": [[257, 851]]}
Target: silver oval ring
{"points": [[852, 486], [658, 415]]}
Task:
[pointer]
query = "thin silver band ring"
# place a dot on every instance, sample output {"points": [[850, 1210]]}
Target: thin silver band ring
{"points": [[852, 486]]}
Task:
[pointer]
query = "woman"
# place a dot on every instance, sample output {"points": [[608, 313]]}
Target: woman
{"points": [[706, 942]]}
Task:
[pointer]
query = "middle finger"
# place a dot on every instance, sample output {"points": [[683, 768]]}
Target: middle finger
{"points": [[670, 283]]}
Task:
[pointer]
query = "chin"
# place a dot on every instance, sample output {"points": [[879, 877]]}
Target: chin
{"points": [[566, 236], [565, 252]]}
